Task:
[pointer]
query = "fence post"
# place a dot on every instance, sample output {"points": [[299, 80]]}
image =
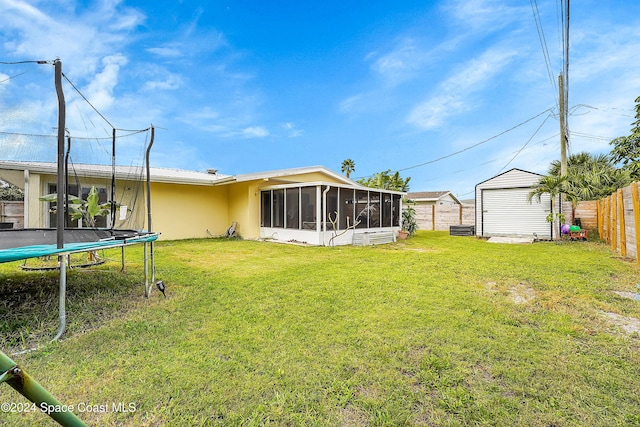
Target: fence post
{"points": [[433, 217], [623, 231], [607, 220], [614, 221], [636, 217], [599, 217]]}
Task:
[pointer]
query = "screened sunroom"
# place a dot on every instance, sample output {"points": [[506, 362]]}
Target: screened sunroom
{"points": [[327, 213]]}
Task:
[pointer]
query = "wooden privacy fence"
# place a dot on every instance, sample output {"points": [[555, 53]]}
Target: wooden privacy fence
{"points": [[11, 214], [619, 220], [440, 217]]}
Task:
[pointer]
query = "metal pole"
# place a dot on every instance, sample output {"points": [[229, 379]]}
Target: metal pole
{"points": [[66, 183], [61, 126], [22, 382], [149, 228], [113, 179], [62, 313], [147, 288]]}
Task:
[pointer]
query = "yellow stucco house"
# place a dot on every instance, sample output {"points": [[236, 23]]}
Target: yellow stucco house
{"points": [[313, 204]]}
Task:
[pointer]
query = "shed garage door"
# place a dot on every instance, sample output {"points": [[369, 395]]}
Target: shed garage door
{"points": [[508, 212]]}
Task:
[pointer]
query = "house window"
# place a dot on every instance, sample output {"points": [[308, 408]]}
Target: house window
{"points": [[292, 205], [346, 209], [308, 207], [362, 209], [386, 210], [265, 204], [374, 210], [278, 208], [99, 221], [395, 210], [333, 208], [296, 208]]}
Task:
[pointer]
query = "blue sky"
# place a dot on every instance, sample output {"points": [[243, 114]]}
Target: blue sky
{"points": [[249, 86]]}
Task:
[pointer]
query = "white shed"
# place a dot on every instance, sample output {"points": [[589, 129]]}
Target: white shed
{"points": [[503, 208]]}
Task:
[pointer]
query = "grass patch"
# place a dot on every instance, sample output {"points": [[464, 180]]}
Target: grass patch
{"points": [[436, 330]]}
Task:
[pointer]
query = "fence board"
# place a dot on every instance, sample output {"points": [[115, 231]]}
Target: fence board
{"points": [[441, 217], [617, 218], [12, 212]]}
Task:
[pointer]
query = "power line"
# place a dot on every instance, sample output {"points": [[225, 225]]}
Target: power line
{"points": [[525, 144], [41, 62], [543, 44], [548, 110], [12, 77]]}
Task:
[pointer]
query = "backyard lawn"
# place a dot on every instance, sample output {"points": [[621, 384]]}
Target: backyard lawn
{"points": [[433, 331]]}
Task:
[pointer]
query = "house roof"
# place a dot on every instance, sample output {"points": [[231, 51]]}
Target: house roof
{"points": [[282, 176], [430, 196], [178, 176], [122, 172]]}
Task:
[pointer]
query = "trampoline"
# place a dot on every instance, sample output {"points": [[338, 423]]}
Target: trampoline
{"points": [[41, 242], [62, 241], [22, 244]]}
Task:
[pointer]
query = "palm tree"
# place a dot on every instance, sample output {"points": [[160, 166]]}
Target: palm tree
{"points": [[553, 186], [348, 166], [591, 177]]}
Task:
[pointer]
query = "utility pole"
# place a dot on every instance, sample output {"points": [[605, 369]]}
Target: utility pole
{"points": [[563, 126]]}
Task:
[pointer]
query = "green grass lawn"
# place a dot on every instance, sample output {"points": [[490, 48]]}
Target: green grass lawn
{"points": [[434, 331]]}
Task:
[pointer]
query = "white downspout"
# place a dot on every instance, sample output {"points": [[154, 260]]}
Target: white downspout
{"points": [[324, 213]]}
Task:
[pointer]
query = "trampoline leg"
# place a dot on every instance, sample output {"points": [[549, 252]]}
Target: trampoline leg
{"points": [[153, 266], [147, 288], [63, 292]]}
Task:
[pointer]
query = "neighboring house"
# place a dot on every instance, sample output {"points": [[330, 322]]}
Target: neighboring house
{"points": [[428, 198], [288, 205], [503, 208], [439, 210]]}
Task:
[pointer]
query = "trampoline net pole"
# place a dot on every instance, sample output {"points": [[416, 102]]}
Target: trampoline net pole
{"points": [[147, 289], [60, 212], [63, 290]]}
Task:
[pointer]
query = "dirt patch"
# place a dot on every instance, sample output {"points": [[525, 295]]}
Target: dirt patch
{"points": [[629, 295], [521, 294], [518, 294], [629, 325], [352, 416]]}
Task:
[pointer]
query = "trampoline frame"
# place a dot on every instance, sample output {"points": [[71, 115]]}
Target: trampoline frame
{"points": [[34, 251]]}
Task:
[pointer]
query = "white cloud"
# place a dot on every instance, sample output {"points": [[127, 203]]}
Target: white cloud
{"points": [[348, 104], [100, 90], [291, 130], [399, 64], [172, 50], [452, 96], [485, 15], [255, 132], [163, 80]]}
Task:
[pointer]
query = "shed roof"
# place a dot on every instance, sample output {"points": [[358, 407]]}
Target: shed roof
{"points": [[514, 173]]}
